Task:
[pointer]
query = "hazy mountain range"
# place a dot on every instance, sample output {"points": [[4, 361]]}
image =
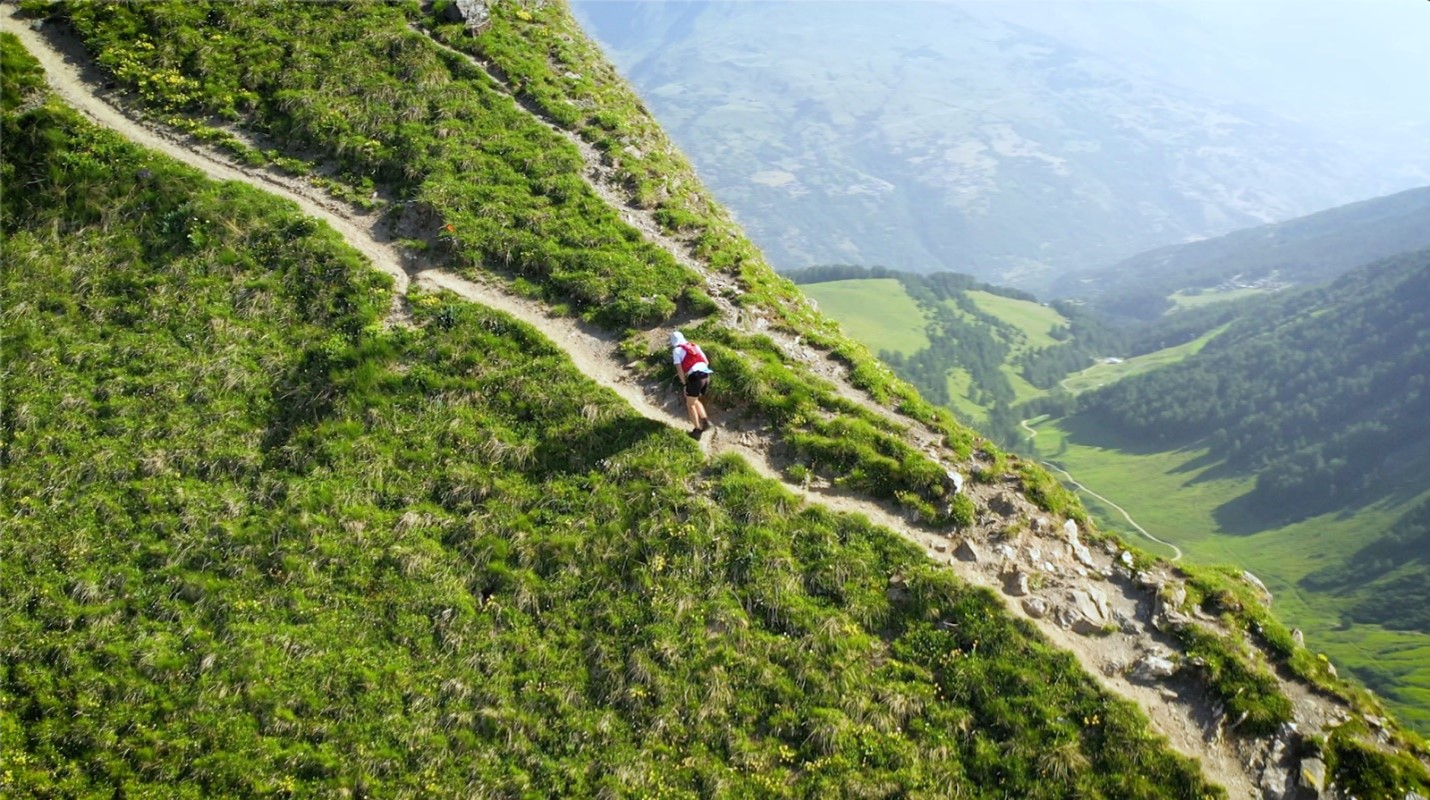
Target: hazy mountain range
{"points": [[1300, 252], [956, 136]]}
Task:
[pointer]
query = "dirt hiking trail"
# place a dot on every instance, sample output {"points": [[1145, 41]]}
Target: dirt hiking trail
{"points": [[986, 555]]}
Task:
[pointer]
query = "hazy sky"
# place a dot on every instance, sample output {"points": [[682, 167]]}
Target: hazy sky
{"points": [[1352, 64], [1321, 60]]}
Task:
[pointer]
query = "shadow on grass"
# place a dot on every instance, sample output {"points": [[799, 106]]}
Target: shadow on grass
{"points": [[586, 451], [1088, 431]]}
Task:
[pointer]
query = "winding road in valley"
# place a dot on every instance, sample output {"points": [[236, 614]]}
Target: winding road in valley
{"points": [[1130, 521]]}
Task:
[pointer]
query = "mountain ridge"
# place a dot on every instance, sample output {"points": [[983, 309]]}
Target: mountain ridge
{"points": [[1305, 251]]}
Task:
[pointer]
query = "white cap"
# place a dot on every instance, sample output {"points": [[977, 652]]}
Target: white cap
{"points": [[677, 338]]}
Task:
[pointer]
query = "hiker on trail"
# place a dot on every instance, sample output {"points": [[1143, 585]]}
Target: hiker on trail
{"points": [[694, 370]]}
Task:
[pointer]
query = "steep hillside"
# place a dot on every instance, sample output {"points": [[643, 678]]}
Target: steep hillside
{"points": [[1302, 252], [263, 541], [352, 540], [941, 137]]}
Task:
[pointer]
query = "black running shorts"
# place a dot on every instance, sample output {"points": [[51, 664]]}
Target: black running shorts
{"points": [[696, 383]]}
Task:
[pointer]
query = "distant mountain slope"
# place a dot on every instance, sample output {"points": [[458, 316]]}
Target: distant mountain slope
{"points": [[1304, 251], [980, 349], [1323, 393], [936, 137]]}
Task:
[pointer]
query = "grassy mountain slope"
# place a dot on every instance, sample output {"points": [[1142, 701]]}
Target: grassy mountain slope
{"points": [[876, 311], [1304, 252], [985, 350], [546, 545], [260, 543]]}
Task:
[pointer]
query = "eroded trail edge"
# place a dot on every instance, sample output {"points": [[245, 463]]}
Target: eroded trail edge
{"points": [[1068, 572]]}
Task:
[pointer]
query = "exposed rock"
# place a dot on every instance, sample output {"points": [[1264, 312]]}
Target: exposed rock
{"points": [[955, 482], [1035, 607], [1126, 558], [1276, 780], [1259, 586], [1086, 611], [1166, 616], [1040, 525], [941, 547], [1099, 599], [967, 552], [1148, 580], [1313, 775], [474, 13], [1151, 668], [1127, 624], [1006, 552], [1016, 584], [898, 590], [1080, 552], [1034, 556], [1298, 637], [1113, 667], [1003, 504]]}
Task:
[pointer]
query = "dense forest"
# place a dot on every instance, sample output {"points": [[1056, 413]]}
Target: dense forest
{"points": [[262, 543], [1322, 394]]}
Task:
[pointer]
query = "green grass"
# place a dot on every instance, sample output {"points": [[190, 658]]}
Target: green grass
{"points": [[499, 190], [960, 383], [1177, 500], [879, 313], [1022, 390], [1104, 374], [1033, 319]]}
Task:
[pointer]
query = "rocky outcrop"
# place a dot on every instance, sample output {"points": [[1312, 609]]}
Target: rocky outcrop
{"points": [[1085, 611], [966, 551], [1035, 607], [1016, 583], [1153, 668], [1313, 776], [475, 14]]}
